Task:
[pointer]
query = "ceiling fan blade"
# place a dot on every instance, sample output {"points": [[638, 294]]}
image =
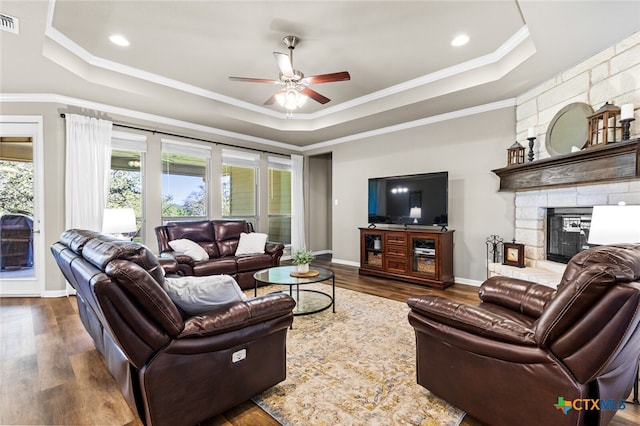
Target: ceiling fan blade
{"points": [[284, 64], [314, 95], [272, 99], [255, 80], [327, 78]]}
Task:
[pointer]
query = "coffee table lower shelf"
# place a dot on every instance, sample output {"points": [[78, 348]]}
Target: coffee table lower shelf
{"points": [[309, 301]]}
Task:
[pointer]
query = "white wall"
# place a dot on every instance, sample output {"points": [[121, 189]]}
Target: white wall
{"points": [[468, 148]]}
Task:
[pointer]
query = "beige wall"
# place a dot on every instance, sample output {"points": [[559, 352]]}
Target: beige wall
{"points": [[468, 148]]}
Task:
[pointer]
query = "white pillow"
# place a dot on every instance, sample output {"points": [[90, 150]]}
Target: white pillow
{"points": [[251, 243], [190, 248], [196, 295]]}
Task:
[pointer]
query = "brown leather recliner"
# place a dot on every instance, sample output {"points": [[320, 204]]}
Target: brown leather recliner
{"points": [[528, 354], [172, 368], [219, 238]]}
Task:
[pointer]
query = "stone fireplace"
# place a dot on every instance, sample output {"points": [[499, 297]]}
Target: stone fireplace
{"points": [[592, 177], [531, 224], [531, 210]]}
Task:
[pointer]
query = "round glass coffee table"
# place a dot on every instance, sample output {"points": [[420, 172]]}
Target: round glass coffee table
{"points": [[307, 301]]}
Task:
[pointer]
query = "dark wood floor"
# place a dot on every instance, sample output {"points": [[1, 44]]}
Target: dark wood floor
{"points": [[50, 372]]}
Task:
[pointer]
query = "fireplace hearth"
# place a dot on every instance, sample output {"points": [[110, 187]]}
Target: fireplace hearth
{"points": [[567, 232]]}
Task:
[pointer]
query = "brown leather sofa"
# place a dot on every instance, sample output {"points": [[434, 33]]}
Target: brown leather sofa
{"points": [[173, 369], [219, 238], [526, 350]]}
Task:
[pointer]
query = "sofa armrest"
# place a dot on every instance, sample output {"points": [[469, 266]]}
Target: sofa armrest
{"points": [[518, 295], [177, 257], [274, 248], [170, 265], [496, 324], [239, 315]]}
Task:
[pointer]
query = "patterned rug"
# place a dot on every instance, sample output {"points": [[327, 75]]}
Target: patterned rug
{"points": [[354, 367]]}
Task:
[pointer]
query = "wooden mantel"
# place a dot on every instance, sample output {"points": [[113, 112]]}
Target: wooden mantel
{"points": [[610, 163]]}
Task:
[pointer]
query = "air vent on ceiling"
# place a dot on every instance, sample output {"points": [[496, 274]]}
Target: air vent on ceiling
{"points": [[9, 23]]}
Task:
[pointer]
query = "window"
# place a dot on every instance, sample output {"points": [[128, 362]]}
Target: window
{"points": [[279, 202], [126, 183], [239, 171], [185, 168]]}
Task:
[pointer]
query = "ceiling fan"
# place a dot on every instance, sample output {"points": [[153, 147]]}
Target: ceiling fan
{"points": [[296, 86]]}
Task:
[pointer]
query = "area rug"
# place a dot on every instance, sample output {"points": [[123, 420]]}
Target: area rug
{"points": [[354, 367]]}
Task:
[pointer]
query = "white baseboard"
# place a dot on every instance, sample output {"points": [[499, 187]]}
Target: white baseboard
{"points": [[467, 281], [55, 293], [346, 262]]}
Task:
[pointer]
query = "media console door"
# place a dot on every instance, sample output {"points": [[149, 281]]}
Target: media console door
{"points": [[421, 257]]}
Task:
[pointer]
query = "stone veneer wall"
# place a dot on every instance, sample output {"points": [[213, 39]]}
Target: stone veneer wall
{"points": [[612, 75]]}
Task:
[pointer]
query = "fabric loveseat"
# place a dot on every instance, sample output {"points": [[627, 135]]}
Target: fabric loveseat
{"points": [[172, 368], [218, 241], [528, 354]]}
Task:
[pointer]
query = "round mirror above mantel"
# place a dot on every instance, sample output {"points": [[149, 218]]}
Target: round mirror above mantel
{"points": [[569, 128]]}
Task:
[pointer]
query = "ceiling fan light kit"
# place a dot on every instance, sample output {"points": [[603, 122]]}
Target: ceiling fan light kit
{"points": [[296, 91]]}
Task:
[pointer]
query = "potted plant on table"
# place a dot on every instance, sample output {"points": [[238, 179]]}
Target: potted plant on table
{"points": [[302, 258]]}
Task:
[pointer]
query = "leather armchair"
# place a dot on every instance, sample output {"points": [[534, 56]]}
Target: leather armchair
{"points": [[172, 368], [526, 350]]}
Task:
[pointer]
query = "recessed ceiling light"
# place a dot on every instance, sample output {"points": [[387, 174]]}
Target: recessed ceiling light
{"points": [[119, 40], [460, 40]]}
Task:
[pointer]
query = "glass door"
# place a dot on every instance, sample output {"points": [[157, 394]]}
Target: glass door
{"points": [[372, 249], [21, 245], [423, 255]]}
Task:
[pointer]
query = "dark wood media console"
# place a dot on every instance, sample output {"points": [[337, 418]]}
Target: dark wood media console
{"points": [[418, 256]]}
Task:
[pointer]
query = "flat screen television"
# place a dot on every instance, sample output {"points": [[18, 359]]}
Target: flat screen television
{"points": [[420, 199]]}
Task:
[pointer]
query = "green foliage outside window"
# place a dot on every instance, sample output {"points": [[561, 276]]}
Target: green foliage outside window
{"points": [[16, 181]]}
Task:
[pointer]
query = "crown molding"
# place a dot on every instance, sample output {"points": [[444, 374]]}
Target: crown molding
{"points": [[479, 109], [66, 100], [81, 103]]}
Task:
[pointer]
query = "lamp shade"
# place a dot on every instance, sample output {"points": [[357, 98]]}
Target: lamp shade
{"points": [[119, 221], [415, 213], [615, 224]]}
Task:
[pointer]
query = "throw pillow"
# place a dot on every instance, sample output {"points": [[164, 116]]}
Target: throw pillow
{"points": [[190, 248], [197, 295], [251, 243]]}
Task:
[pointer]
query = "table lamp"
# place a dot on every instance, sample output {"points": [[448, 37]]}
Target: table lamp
{"points": [[415, 213], [120, 223], [614, 224]]}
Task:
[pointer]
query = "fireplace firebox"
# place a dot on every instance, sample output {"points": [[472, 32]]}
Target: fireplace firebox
{"points": [[567, 232]]}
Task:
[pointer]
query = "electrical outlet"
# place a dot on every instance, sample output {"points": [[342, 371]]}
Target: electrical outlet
{"points": [[239, 355]]}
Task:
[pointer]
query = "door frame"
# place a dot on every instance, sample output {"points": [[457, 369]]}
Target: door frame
{"points": [[31, 126]]}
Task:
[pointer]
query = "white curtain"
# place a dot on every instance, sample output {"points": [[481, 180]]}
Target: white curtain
{"points": [[88, 162], [297, 204]]}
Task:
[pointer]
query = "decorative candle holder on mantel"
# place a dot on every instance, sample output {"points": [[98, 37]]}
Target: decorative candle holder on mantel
{"points": [[531, 136], [626, 117]]}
